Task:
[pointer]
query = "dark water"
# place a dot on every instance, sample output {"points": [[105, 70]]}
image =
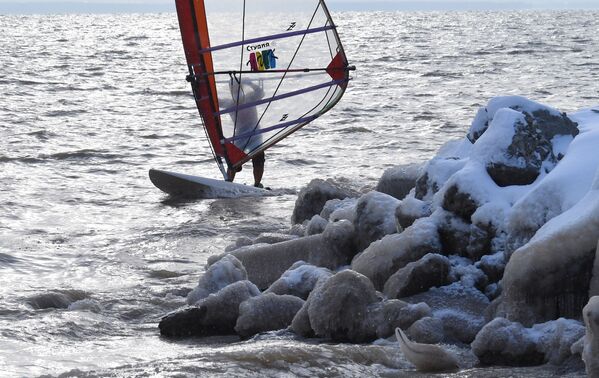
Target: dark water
{"points": [[92, 255]]}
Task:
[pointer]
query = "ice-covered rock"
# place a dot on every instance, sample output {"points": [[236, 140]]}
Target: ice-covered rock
{"points": [[428, 330], [419, 276], [409, 210], [594, 285], [336, 210], [375, 217], [550, 276], [386, 256], [56, 299], [510, 343], [435, 175], [338, 309], [561, 189], [316, 225], [390, 314], [459, 326], [218, 275], [313, 197], [266, 312], [299, 280], [266, 263], [240, 242], [213, 315], [273, 238], [398, 181], [590, 352]]}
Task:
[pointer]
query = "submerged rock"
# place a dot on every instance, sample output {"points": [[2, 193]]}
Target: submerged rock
{"points": [[214, 315], [266, 312], [398, 181], [313, 197], [222, 273]]}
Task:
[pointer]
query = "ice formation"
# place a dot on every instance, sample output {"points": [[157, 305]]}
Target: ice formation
{"points": [[492, 243]]}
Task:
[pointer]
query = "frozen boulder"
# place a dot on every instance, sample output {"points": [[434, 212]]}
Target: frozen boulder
{"points": [[398, 181], [313, 197], [390, 314], [590, 352], [594, 285], [266, 312], [240, 242], [375, 218], [502, 342], [508, 343], [273, 238], [224, 272], [517, 139], [550, 276], [435, 175], [336, 210], [419, 276], [385, 257], [459, 326], [316, 225], [338, 309], [266, 263], [299, 280], [213, 315], [428, 330], [409, 210]]}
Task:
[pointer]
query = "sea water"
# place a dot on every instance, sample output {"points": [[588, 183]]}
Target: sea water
{"points": [[92, 255]]}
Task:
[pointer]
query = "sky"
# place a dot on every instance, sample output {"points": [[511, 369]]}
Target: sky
{"points": [[110, 6]]}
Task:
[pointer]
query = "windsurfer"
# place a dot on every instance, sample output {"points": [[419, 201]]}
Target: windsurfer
{"points": [[246, 121]]}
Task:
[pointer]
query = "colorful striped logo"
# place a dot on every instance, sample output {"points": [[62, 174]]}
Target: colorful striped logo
{"points": [[263, 60]]}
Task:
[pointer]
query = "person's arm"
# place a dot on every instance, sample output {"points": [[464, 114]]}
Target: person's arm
{"points": [[257, 91]]}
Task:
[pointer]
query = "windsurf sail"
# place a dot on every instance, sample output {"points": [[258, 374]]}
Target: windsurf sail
{"points": [[259, 75]]}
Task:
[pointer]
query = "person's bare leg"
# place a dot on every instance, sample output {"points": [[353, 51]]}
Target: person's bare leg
{"points": [[230, 175], [258, 163]]}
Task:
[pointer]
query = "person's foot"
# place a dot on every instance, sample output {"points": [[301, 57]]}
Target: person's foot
{"points": [[259, 185]]}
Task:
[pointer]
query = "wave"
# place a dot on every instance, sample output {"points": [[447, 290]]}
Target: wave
{"points": [[81, 155]]}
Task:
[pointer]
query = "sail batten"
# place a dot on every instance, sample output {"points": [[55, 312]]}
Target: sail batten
{"points": [[248, 113]]}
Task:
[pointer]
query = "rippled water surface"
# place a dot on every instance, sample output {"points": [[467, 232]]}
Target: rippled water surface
{"points": [[92, 255]]}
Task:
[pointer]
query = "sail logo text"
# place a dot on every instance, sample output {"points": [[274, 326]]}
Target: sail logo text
{"points": [[258, 47], [263, 60]]}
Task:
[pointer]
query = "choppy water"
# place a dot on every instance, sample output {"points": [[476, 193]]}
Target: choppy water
{"points": [[92, 255]]}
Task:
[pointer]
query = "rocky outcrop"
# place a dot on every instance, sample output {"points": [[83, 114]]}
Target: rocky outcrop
{"points": [[419, 276], [313, 197], [398, 181], [266, 312], [222, 273], [214, 315]]}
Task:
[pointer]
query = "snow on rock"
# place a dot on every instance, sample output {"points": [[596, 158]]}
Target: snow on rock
{"points": [[398, 181], [562, 188], [409, 210], [436, 173], [375, 217], [336, 210], [266, 312], [313, 197], [338, 309], [418, 276], [213, 315], [384, 257], [299, 280], [219, 275], [510, 343], [550, 276], [590, 352], [266, 263]]}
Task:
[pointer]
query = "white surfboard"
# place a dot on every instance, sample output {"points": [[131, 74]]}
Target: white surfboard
{"points": [[187, 186]]}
